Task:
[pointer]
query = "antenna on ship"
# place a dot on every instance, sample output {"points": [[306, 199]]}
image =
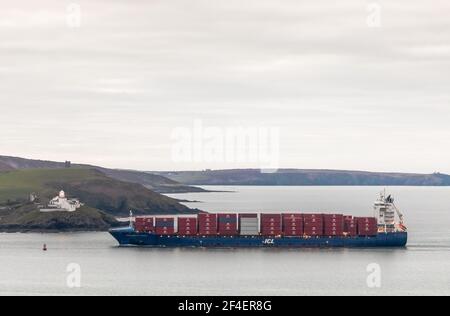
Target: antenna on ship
{"points": [[131, 218]]}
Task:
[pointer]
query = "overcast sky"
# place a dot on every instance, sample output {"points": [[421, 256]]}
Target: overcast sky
{"points": [[111, 92]]}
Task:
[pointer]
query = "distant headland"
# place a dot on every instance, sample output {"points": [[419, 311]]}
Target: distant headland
{"points": [[305, 177]]}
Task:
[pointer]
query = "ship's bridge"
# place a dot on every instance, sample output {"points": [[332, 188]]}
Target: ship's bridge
{"points": [[385, 211]]}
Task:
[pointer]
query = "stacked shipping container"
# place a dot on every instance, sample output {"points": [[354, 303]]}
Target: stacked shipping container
{"points": [[207, 224], [271, 224], [367, 226], [292, 225], [333, 224], [350, 226], [289, 225], [227, 224], [313, 224], [187, 226], [144, 224], [248, 224], [165, 226]]}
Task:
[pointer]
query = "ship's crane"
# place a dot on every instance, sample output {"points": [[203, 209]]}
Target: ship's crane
{"points": [[399, 214]]}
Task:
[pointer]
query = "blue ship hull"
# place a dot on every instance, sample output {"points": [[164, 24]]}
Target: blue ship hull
{"points": [[128, 237]]}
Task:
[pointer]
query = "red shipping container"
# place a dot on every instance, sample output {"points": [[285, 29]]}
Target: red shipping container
{"points": [[207, 216], [271, 224], [227, 223], [187, 226], [271, 232], [296, 224], [351, 227], [231, 232], [290, 232], [311, 216], [144, 224], [367, 226], [137, 226], [207, 221], [309, 225], [144, 220], [293, 225], [187, 220], [367, 231], [314, 231], [227, 217], [165, 231], [271, 221], [207, 224], [143, 229], [187, 231], [333, 218], [165, 226], [371, 221], [313, 224], [333, 224], [313, 219], [207, 232], [334, 231], [292, 216], [265, 218], [164, 222]]}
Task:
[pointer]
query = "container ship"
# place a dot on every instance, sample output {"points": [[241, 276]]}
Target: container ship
{"points": [[290, 230]]}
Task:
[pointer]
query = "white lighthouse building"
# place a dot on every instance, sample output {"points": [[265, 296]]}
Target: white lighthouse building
{"points": [[61, 203]]}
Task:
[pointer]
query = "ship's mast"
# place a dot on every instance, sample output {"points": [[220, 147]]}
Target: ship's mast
{"points": [[131, 218]]}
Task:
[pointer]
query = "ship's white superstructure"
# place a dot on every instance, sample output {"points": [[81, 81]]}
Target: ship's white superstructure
{"points": [[385, 211]]}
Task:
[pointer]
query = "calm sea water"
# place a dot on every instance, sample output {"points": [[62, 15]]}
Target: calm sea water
{"points": [[422, 268]]}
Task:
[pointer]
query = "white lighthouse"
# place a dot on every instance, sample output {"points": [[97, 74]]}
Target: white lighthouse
{"points": [[62, 204]]}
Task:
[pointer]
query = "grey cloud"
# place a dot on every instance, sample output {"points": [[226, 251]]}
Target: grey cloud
{"points": [[136, 70]]}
